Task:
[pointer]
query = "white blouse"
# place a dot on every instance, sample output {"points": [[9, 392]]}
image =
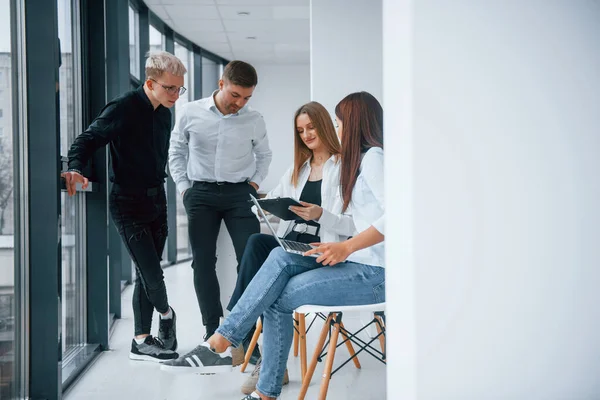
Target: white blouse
{"points": [[368, 207], [335, 225]]}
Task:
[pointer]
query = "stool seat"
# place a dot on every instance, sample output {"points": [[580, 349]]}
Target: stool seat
{"points": [[311, 308]]}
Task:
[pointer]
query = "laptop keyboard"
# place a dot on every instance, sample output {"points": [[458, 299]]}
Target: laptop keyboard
{"points": [[297, 245]]}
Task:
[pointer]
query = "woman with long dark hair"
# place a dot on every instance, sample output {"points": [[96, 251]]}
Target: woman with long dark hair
{"points": [[314, 179], [345, 273]]}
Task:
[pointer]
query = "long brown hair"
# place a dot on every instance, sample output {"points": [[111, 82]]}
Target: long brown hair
{"points": [[323, 124], [362, 128]]}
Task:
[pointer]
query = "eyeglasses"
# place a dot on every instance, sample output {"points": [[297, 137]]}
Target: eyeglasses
{"points": [[171, 89]]}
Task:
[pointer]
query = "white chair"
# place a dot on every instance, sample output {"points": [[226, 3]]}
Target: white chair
{"points": [[333, 327]]}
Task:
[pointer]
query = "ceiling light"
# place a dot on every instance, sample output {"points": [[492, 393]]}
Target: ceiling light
{"points": [[243, 13]]}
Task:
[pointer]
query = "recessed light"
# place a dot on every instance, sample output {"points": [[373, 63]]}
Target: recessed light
{"points": [[251, 37], [243, 13]]}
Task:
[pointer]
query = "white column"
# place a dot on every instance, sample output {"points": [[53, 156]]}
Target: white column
{"points": [[345, 49], [496, 147]]}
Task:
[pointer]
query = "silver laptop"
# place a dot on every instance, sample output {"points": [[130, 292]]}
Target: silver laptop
{"points": [[288, 245]]}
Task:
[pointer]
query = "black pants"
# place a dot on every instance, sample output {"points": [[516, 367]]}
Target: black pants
{"points": [[257, 250], [140, 216], [207, 204]]}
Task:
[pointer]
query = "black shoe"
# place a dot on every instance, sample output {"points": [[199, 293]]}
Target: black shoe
{"points": [[167, 331], [152, 349], [255, 353]]}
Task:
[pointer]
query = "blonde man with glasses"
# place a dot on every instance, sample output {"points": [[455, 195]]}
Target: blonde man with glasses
{"points": [[137, 126]]}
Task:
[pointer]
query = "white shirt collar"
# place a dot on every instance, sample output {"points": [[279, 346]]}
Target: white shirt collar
{"points": [[307, 162], [213, 106]]}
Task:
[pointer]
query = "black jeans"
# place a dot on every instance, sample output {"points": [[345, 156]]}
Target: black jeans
{"points": [[207, 204], [140, 216]]}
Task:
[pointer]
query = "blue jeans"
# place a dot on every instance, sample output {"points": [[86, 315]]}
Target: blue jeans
{"points": [[285, 282]]}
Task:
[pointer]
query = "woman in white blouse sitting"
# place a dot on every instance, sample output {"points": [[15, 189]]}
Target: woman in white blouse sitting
{"points": [[345, 273], [314, 179]]}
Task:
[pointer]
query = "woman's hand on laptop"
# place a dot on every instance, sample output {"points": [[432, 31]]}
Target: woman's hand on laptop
{"points": [[331, 253], [309, 212]]}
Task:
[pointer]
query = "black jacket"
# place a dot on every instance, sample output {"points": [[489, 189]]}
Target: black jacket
{"points": [[138, 136]]}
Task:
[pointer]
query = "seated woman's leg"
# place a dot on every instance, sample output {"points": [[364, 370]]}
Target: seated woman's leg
{"points": [[341, 285], [257, 250], [263, 290]]}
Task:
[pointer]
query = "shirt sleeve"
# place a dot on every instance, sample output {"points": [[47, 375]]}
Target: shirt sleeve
{"points": [[105, 128], [262, 151], [342, 224], [372, 168], [179, 152], [284, 181]]}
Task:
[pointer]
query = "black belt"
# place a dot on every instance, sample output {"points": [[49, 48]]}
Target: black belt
{"points": [[152, 191], [219, 183]]}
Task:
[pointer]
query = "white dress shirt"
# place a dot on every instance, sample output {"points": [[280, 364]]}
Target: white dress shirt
{"points": [[368, 207], [335, 225], [209, 146]]}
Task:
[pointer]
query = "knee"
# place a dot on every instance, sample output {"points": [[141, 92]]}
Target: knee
{"points": [[279, 260], [277, 257], [253, 240]]}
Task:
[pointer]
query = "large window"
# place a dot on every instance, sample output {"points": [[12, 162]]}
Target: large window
{"points": [[8, 300], [157, 39], [186, 56], [72, 208], [210, 76], [7, 223], [134, 42]]}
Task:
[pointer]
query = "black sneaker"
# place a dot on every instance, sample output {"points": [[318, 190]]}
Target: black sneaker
{"points": [[167, 332], [201, 359], [152, 349]]}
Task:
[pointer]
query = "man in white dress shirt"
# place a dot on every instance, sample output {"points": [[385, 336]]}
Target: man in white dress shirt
{"points": [[219, 153]]}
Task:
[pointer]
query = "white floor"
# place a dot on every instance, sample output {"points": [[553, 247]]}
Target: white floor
{"points": [[113, 376]]}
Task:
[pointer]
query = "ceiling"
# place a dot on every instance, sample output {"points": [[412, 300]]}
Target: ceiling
{"points": [[256, 31]]}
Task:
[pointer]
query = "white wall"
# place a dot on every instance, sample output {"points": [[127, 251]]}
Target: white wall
{"points": [[503, 132], [281, 90], [345, 49]]}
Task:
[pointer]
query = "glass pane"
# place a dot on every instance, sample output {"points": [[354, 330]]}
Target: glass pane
{"points": [[183, 243], [157, 39], [73, 265], [190, 77], [67, 130], [186, 57], [134, 43], [183, 54], [72, 275], [210, 76], [7, 224]]}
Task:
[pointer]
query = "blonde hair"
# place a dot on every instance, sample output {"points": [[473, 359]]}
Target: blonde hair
{"points": [[159, 62]]}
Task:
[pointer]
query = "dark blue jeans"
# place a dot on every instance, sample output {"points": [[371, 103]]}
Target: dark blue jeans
{"points": [[257, 250], [140, 216]]}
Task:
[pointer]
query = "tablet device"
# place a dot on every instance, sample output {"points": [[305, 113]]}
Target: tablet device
{"points": [[279, 207]]}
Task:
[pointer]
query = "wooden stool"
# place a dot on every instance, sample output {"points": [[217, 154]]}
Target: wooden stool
{"points": [[334, 327]]}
